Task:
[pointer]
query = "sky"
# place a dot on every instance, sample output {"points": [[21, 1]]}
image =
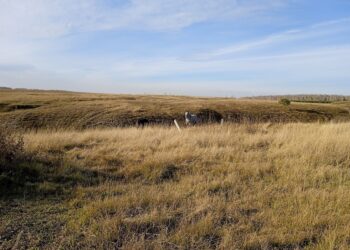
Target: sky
{"points": [[227, 48]]}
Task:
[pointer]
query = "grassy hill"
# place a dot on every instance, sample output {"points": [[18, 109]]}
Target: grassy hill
{"points": [[30, 109], [75, 174]]}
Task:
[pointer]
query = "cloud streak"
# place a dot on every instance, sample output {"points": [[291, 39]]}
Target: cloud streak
{"points": [[53, 18], [315, 31], [303, 62], [45, 44], [309, 55]]}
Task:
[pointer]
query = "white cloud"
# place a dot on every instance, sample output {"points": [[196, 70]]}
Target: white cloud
{"points": [[27, 61], [315, 71], [44, 18], [52, 18], [312, 32], [319, 62]]}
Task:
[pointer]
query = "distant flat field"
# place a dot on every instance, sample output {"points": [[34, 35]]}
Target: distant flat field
{"points": [[33, 109]]}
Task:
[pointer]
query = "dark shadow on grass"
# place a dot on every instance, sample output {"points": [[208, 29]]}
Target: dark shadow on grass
{"points": [[274, 245], [33, 179]]}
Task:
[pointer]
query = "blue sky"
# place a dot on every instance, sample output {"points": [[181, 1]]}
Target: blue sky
{"points": [[185, 47]]}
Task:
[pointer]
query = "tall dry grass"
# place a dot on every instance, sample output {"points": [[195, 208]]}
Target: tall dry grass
{"points": [[11, 146], [226, 187]]}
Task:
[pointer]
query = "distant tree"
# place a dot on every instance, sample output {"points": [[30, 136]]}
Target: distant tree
{"points": [[284, 101], [305, 98]]}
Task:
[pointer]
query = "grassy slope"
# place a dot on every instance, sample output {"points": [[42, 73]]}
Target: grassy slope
{"points": [[240, 186], [40, 109], [231, 187]]}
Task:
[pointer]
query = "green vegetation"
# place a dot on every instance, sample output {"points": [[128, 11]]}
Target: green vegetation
{"points": [[284, 102]]}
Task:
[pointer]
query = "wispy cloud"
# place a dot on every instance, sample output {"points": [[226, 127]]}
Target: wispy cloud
{"points": [[35, 50], [52, 18], [302, 51], [321, 58], [319, 30]]}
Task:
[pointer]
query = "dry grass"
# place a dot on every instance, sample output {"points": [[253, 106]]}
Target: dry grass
{"points": [[227, 187], [65, 110], [11, 146]]}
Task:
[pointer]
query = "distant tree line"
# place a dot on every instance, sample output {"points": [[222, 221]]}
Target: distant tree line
{"points": [[304, 98]]}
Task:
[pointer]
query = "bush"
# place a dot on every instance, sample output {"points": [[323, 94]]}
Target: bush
{"points": [[284, 102], [11, 146]]}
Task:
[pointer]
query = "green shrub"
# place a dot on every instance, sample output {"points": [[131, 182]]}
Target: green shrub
{"points": [[284, 102]]}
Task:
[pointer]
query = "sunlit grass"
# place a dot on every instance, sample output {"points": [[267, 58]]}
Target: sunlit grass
{"points": [[230, 187]]}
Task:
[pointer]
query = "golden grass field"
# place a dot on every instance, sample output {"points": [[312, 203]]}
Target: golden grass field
{"points": [[247, 185], [257, 186], [32, 109]]}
